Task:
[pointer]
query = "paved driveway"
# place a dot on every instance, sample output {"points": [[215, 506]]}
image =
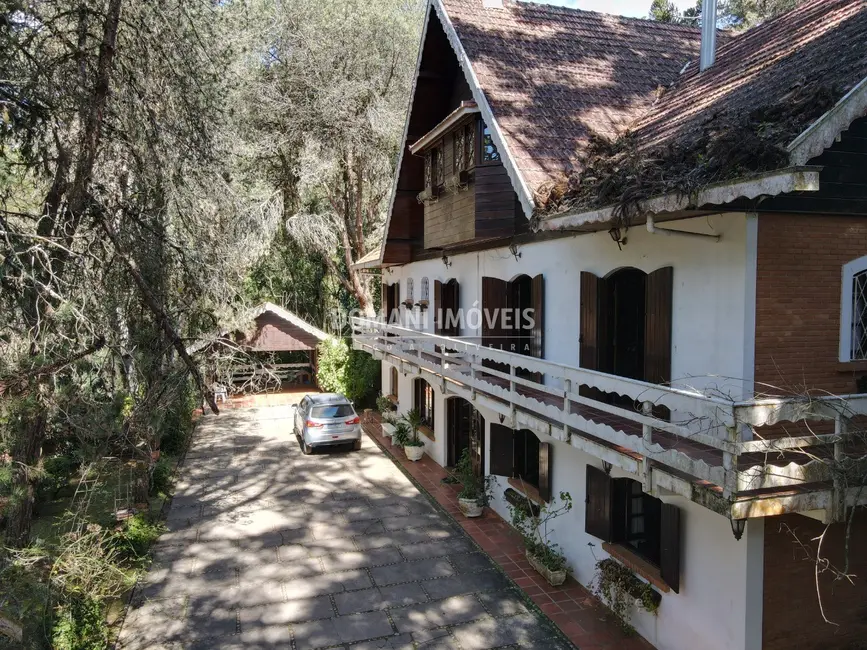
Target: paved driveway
{"points": [[269, 548]]}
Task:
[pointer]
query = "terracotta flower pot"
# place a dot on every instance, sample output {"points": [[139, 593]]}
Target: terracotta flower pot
{"points": [[413, 453], [554, 578], [470, 507]]}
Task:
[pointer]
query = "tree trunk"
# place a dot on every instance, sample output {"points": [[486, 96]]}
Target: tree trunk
{"points": [[26, 452]]}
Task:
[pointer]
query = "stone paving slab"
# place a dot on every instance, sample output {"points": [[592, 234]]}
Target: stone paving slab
{"points": [[268, 548]]}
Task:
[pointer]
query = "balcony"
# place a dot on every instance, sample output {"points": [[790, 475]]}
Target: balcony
{"points": [[730, 456]]}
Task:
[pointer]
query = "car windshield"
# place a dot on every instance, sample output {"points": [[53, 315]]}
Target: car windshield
{"points": [[332, 411]]}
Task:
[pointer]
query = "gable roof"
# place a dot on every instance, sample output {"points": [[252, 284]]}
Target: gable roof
{"points": [[814, 54], [552, 76]]}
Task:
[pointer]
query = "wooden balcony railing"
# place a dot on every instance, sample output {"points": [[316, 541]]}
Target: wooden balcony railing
{"points": [[707, 448]]}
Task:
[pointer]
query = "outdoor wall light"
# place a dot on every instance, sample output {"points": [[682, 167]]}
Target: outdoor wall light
{"points": [[606, 467], [738, 526], [513, 249], [446, 260]]}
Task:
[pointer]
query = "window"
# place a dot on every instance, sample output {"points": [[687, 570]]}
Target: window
{"points": [[332, 411], [521, 455], [424, 297], [423, 401], [488, 153], [410, 291], [853, 321], [439, 166], [428, 170], [619, 512], [464, 141], [394, 392]]}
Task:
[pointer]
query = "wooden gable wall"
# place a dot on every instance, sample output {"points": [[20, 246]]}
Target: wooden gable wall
{"points": [[273, 334]]}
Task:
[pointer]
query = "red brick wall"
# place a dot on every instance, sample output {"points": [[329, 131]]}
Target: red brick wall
{"points": [[799, 270], [791, 616]]}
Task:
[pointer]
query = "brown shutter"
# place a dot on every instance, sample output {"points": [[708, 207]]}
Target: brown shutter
{"points": [[537, 348], [455, 300], [501, 451], [669, 565], [546, 462], [495, 299], [383, 298], [657, 326], [439, 307], [598, 504], [590, 336]]}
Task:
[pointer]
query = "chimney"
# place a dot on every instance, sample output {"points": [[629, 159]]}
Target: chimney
{"points": [[708, 33], [492, 4]]}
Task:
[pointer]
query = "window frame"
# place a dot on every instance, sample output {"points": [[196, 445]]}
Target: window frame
{"points": [[424, 401], [480, 139], [393, 378], [526, 455], [847, 309]]}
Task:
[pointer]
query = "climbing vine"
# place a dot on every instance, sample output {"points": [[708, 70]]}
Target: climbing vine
{"points": [[621, 590]]}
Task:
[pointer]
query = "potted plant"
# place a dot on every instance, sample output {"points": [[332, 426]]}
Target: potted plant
{"points": [[386, 410], [413, 447], [543, 555], [400, 435], [475, 490]]}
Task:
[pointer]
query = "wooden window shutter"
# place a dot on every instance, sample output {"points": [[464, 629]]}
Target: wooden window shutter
{"points": [[501, 451], [454, 328], [590, 337], [598, 504], [537, 348], [439, 307], [669, 565], [657, 326], [495, 299], [546, 462], [384, 299]]}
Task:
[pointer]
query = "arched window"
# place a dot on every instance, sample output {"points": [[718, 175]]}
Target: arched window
{"points": [[424, 296], [853, 320], [394, 393], [410, 293], [423, 401]]}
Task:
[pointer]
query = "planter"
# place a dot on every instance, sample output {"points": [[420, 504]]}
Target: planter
{"points": [[554, 578], [387, 429], [413, 453], [470, 507]]}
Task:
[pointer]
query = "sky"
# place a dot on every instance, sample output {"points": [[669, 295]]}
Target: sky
{"points": [[637, 8]]}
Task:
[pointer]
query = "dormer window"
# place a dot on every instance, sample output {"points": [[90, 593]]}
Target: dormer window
{"points": [[488, 153]]}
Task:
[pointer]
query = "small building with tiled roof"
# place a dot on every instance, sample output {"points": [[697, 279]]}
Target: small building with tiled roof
{"points": [[627, 261]]}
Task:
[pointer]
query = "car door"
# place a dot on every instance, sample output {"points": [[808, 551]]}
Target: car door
{"points": [[300, 411]]}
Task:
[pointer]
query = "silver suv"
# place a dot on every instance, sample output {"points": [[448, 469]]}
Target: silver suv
{"points": [[326, 419]]}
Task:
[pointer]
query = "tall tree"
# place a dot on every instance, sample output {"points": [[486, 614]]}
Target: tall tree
{"points": [[324, 115], [731, 14]]}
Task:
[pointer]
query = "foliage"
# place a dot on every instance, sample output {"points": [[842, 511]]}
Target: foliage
{"points": [[350, 372], [383, 404], [414, 420], [136, 536], [177, 422], [620, 589], [80, 625], [324, 115], [472, 485], [731, 14], [161, 476], [401, 435], [56, 472], [534, 529]]}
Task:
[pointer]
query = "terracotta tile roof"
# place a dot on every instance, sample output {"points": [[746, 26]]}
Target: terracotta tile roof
{"points": [[819, 48], [554, 75]]}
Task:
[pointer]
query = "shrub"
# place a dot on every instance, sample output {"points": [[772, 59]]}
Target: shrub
{"points": [[57, 471], [177, 423], [401, 433], [137, 536], [80, 625], [350, 372], [161, 478]]}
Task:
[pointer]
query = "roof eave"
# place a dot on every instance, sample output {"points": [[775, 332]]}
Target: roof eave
{"points": [[780, 181], [822, 133], [432, 136]]}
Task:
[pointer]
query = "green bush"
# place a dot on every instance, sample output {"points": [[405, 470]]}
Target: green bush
{"points": [[80, 625], [350, 372], [137, 536], [57, 471], [177, 423], [161, 479]]}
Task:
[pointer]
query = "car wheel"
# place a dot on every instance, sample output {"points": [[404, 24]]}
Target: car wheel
{"points": [[305, 448], [356, 446]]}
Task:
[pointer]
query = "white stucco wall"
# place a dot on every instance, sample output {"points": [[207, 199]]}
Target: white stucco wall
{"points": [[719, 604], [709, 295]]}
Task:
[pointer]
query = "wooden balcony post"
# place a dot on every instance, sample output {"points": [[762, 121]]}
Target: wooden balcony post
{"points": [[567, 410], [512, 408], [473, 362], [647, 435]]}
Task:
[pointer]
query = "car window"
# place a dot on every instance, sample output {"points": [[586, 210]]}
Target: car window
{"points": [[332, 411]]}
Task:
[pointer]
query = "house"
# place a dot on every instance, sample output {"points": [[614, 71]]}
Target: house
{"points": [[628, 261]]}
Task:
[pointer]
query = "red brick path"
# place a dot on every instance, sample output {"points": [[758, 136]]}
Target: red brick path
{"points": [[581, 617]]}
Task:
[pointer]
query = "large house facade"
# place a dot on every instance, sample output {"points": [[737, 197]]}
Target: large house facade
{"points": [[688, 365]]}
